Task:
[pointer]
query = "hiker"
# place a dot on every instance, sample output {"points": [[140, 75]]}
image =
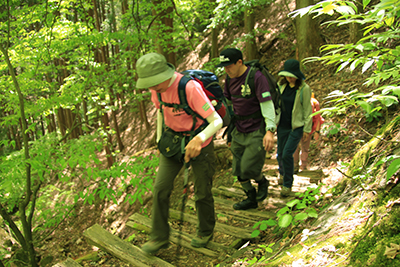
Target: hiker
{"points": [[293, 119], [304, 145], [254, 121], [160, 77]]}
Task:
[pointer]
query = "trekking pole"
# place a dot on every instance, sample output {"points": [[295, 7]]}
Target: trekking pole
{"points": [[185, 193]]}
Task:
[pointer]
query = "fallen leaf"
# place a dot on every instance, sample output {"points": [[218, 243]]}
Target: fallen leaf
{"points": [[392, 251]]}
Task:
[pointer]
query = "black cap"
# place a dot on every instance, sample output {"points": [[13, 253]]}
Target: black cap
{"points": [[229, 56]]}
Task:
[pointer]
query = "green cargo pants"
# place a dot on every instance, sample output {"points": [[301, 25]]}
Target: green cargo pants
{"points": [[248, 154], [203, 169]]}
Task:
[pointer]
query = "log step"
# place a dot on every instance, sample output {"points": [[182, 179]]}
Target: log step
{"points": [[68, 263], [175, 236], [121, 249]]}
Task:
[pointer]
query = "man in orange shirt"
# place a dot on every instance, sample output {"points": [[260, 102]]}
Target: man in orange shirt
{"points": [[161, 78]]}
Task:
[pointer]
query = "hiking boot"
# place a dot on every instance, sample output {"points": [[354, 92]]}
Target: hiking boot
{"points": [[152, 247], [262, 189], [201, 241], [249, 203], [286, 191]]}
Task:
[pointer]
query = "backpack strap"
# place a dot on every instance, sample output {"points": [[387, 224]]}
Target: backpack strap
{"points": [[249, 81], [251, 76], [183, 104]]}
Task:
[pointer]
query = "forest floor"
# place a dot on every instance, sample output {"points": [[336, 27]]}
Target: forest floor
{"points": [[325, 155]]}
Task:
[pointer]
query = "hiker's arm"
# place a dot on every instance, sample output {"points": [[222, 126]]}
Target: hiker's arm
{"points": [[159, 125], [268, 112], [193, 148]]}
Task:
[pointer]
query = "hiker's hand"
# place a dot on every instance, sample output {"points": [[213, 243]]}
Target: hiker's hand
{"points": [[268, 141], [305, 136], [193, 148]]}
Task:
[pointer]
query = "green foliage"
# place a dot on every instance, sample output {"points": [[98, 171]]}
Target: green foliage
{"points": [[58, 165], [295, 211], [231, 11], [393, 168], [262, 259], [375, 52]]}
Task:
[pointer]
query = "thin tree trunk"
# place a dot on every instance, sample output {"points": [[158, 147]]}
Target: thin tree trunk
{"points": [[103, 58], [249, 23], [354, 28], [307, 33], [214, 42], [28, 190]]}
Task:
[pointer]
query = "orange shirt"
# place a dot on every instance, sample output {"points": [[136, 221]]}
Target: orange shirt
{"points": [[316, 118], [178, 120]]}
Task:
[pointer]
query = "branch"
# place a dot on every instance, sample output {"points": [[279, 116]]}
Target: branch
{"points": [[184, 25], [358, 182], [14, 228], [33, 204]]}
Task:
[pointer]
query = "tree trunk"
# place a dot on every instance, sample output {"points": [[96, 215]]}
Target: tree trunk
{"points": [[214, 43], [355, 28], [102, 58], [307, 33], [61, 122], [251, 46]]}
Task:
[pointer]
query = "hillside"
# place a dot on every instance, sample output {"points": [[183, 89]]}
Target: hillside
{"points": [[347, 215]]}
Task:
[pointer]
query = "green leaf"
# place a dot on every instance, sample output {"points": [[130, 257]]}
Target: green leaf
{"points": [[367, 65], [365, 3], [393, 168], [301, 206], [255, 233], [301, 216], [263, 227], [271, 222], [285, 220], [312, 214], [329, 9], [292, 203], [345, 10], [283, 210]]}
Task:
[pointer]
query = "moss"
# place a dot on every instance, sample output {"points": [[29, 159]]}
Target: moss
{"points": [[371, 250]]}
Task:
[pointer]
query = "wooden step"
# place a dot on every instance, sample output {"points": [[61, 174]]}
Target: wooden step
{"points": [[121, 249], [219, 227], [226, 206], [174, 235], [68, 263]]}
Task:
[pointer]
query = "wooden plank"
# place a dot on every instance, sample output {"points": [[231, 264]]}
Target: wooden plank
{"points": [[174, 235], [219, 227], [252, 213], [228, 213], [228, 192], [67, 263], [121, 249]]}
